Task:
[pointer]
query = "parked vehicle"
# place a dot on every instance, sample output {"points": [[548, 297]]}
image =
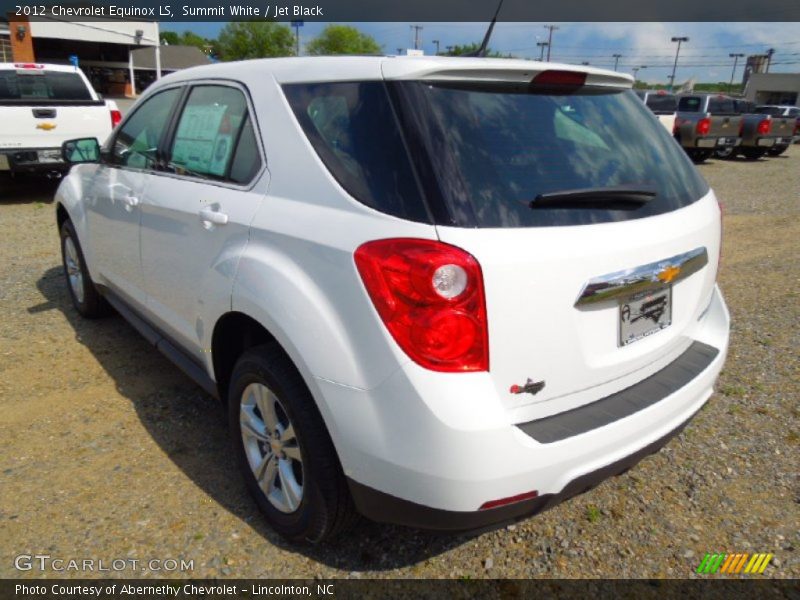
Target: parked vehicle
{"points": [[664, 105], [436, 330], [792, 112], [759, 133], [43, 105], [705, 123]]}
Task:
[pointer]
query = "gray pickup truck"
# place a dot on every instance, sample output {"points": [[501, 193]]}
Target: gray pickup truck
{"points": [[706, 123], [782, 111], [760, 133]]}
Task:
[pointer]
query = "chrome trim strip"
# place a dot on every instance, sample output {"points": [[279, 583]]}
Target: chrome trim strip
{"points": [[630, 281]]}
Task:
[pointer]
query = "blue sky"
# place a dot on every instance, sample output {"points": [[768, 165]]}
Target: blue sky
{"points": [[704, 57]]}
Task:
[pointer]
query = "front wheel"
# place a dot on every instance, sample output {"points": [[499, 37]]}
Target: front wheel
{"points": [[284, 450], [85, 297]]}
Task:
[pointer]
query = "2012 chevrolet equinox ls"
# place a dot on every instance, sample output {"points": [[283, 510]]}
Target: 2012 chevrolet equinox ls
{"points": [[442, 292]]}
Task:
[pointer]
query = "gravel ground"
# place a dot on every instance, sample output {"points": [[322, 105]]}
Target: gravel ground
{"points": [[107, 451]]}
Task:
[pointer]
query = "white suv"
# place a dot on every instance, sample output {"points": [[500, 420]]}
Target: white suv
{"points": [[442, 292]]}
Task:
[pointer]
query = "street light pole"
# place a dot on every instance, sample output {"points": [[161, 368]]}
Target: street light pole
{"points": [[735, 56], [680, 40], [551, 28], [616, 60], [636, 71], [542, 45], [437, 46]]}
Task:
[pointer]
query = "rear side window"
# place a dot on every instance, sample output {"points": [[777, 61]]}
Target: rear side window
{"points": [[353, 129], [496, 148], [662, 103], [214, 126], [30, 85]]}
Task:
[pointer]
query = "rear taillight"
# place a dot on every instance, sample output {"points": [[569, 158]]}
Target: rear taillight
{"points": [[703, 126], [764, 127], [116, 117], [676, 127], [560, 78], [741, 128], [430, 297], [28, 66]]}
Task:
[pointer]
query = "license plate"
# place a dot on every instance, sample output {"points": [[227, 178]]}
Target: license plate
{"points": [[644, 314], [779, 140], [49, 156], [722, 141]]}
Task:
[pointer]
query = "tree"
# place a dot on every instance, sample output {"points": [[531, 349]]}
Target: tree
{"points": [[171, 38], [461, 50], [241, 40], [342, 39]]}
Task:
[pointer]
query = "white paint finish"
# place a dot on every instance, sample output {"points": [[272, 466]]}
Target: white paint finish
{"points": [[22, 130]]}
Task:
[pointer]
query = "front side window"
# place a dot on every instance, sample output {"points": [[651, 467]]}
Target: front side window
{"points": [[136, 144], [215, 138]]}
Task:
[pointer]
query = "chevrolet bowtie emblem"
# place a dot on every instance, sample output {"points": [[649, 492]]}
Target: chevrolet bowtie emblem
{"points": [[46, 126], [667, 274]]}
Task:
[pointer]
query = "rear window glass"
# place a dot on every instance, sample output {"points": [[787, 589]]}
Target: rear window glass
{"points": [[775, 111], [722, 106], [33, 85], [662, 103], [689, 104], [494, 149], [353, 129]]}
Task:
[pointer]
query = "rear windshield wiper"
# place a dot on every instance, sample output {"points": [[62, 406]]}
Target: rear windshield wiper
{"points": [[622, 197]]}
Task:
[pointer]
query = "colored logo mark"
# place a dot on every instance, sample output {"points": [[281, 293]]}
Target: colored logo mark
{"points": [[734, 563]]}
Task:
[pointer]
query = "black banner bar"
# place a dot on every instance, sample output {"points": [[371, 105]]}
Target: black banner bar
{"points": [[410, 10]]}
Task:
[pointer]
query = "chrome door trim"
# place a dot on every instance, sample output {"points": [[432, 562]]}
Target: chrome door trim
{"points": [[630, 281]]}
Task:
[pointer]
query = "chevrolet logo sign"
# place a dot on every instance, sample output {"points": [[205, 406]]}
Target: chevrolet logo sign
{"points": [[668, 274], [46, 126]]}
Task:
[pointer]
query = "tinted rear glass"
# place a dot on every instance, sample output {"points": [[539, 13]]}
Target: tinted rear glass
{"points": [[35, 86], [722, 106], [495, 149], [662, 103], [353, 129], [775, 111], [689, 104]]}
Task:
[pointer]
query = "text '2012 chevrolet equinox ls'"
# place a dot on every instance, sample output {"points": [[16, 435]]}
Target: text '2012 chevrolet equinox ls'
{"points": [[441, 292]]}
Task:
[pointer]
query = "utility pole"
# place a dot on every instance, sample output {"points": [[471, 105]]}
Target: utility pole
{"points": [[437, 46], [770, 52], [636, 71], [417, 29], [616, 58], [297, 25], [680, 40], [735, 56], [542, 45], [551, 29]]}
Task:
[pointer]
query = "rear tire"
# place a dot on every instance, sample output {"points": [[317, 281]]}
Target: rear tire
{"points": [[778, 150], [725, 153], [284, 450], [85, 297], [754, 153], [699, 156]]}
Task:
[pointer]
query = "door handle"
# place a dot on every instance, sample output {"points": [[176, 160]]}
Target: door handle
{"points": [[214, 217], [131, 200]]}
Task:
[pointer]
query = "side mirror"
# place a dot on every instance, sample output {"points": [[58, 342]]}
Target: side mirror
{"points": [[83, 150]]}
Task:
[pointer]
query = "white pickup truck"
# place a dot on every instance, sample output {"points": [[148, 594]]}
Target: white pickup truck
{"points": [[43, 105]]}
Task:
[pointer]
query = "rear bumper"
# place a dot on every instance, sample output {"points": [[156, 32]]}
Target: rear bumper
{"points": [[32, 160], [430, 451]]}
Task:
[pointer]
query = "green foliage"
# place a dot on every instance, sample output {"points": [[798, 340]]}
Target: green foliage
{"points": [[462, 49], [241, 40], [592, 513], [342, 39]]}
